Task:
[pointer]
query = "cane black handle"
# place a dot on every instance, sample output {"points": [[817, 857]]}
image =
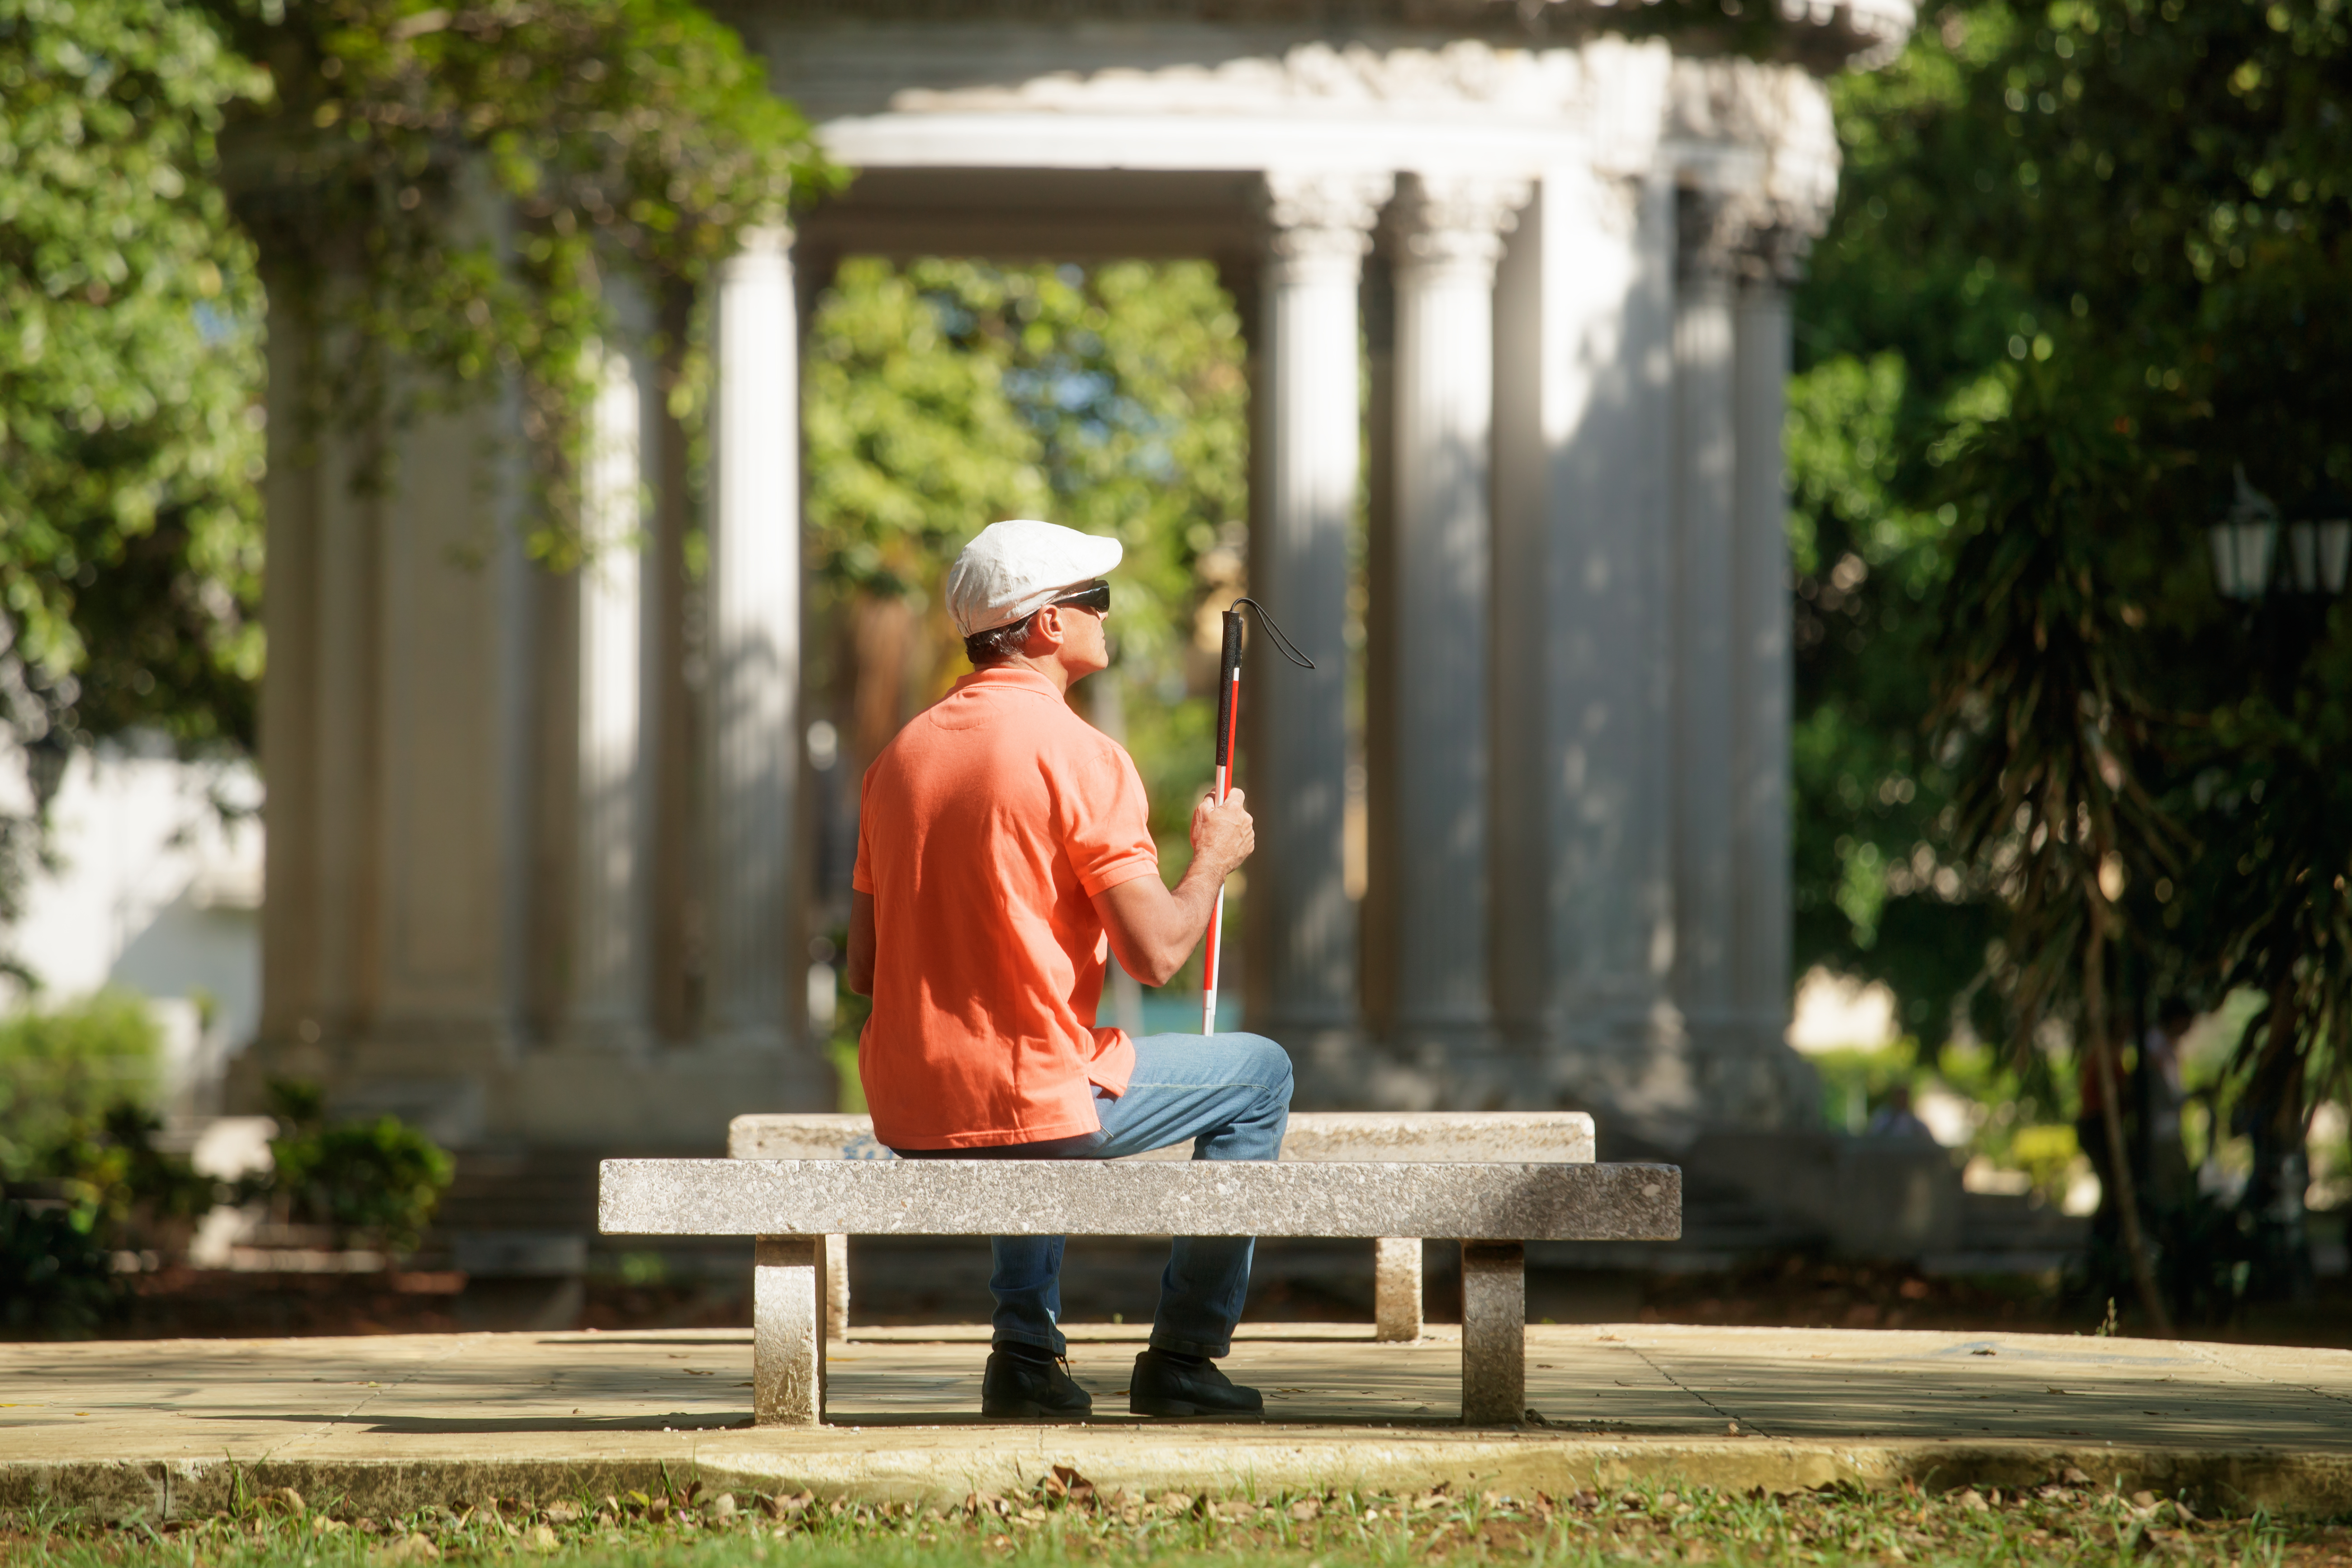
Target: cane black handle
{"points": [[1229, 674]]}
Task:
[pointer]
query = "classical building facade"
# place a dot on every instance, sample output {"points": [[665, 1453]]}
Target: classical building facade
{"points": [[1515, 290]]}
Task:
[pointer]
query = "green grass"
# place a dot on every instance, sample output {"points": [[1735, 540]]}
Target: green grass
{"points": [[1071, 1524]]}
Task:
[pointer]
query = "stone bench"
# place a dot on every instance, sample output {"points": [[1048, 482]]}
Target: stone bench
{"points": [[1414, 1137], [792, 1206]]}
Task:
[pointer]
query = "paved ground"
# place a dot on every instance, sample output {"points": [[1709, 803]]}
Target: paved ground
{"points": [[396, 1420]]}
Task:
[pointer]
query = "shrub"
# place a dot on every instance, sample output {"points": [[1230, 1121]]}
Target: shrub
{"points": [[145, 1196], [377, 1180], [61, 1069], [56, 1270]]}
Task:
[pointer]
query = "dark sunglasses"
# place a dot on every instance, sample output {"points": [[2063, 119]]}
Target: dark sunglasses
{"points": [[1094, 596]]}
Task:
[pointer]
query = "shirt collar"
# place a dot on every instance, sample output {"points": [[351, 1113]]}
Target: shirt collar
{"points": [[1008, 677]]}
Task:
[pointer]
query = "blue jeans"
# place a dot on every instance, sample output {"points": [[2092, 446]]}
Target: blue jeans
{"points": [[1230, 1094]]}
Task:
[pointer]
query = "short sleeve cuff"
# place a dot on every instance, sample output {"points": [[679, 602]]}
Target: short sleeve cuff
{"points": [[1126, 868]]}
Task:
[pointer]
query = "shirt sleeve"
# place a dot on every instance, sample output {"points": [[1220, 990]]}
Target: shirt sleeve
{"points": [[1107, 826]]}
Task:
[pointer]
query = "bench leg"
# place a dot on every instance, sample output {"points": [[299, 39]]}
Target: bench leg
{"points": [[836, 1288], [1396, 1287], [787, 1337], [1494, 1333]]}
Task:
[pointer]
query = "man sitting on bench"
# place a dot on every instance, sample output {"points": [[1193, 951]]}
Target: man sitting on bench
{"points": [[1000, 840]]}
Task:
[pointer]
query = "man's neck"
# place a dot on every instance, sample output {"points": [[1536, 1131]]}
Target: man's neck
{"points": [[1050, 666]]}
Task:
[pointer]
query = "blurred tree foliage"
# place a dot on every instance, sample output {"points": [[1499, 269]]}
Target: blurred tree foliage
{"points": [[451, 187], [457, 188], [2087, 262], [61, 1068], [944, 395], [1901, 339], [129, 435]]}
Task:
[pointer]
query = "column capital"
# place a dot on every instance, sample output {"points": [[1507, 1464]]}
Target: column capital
{"points": [[1316, 214], [1459, 219], [764, 248], [1604, 204], [1740, 236]]}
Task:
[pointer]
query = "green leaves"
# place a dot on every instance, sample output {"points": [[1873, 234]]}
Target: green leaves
{"points": [[61, 1068], [449, 190], [2041, 689], [2106, 240], [462, 186], [57, 1271], [379, 1180], [1876, 887], [2098, 243], [130, 435], [914, 443]]}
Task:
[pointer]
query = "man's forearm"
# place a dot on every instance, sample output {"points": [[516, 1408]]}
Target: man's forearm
{"points": [[1195, 899], [1154, 928]]}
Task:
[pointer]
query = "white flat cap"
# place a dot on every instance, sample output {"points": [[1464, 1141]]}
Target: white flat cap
{"points": [[1013, 568]]}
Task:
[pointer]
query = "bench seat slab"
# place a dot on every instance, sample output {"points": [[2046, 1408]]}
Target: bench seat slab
{"points": [[1068, 1197], [1378, 1135]]}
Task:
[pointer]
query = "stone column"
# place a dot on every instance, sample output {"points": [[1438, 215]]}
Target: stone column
{"points": [[1583, 529], [1449, 237], [290, 698], [753, 646], [607, 970], [1379, 922], [1301, 977], [1706, 581], [1527, 323], [1760, 983]]}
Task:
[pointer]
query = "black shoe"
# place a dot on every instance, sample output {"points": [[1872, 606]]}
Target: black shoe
{"points": [[1167, 1384], [1022, 1381]]}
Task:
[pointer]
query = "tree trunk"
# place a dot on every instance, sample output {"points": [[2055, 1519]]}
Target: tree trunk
{"points": [[2126, 1200], [2276, 1127]]}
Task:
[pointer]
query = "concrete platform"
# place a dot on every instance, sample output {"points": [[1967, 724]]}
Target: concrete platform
{"points": [[394, 1422]]}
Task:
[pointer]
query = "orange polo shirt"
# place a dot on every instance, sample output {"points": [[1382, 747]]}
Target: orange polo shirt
{"points": [[984, 830]]}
